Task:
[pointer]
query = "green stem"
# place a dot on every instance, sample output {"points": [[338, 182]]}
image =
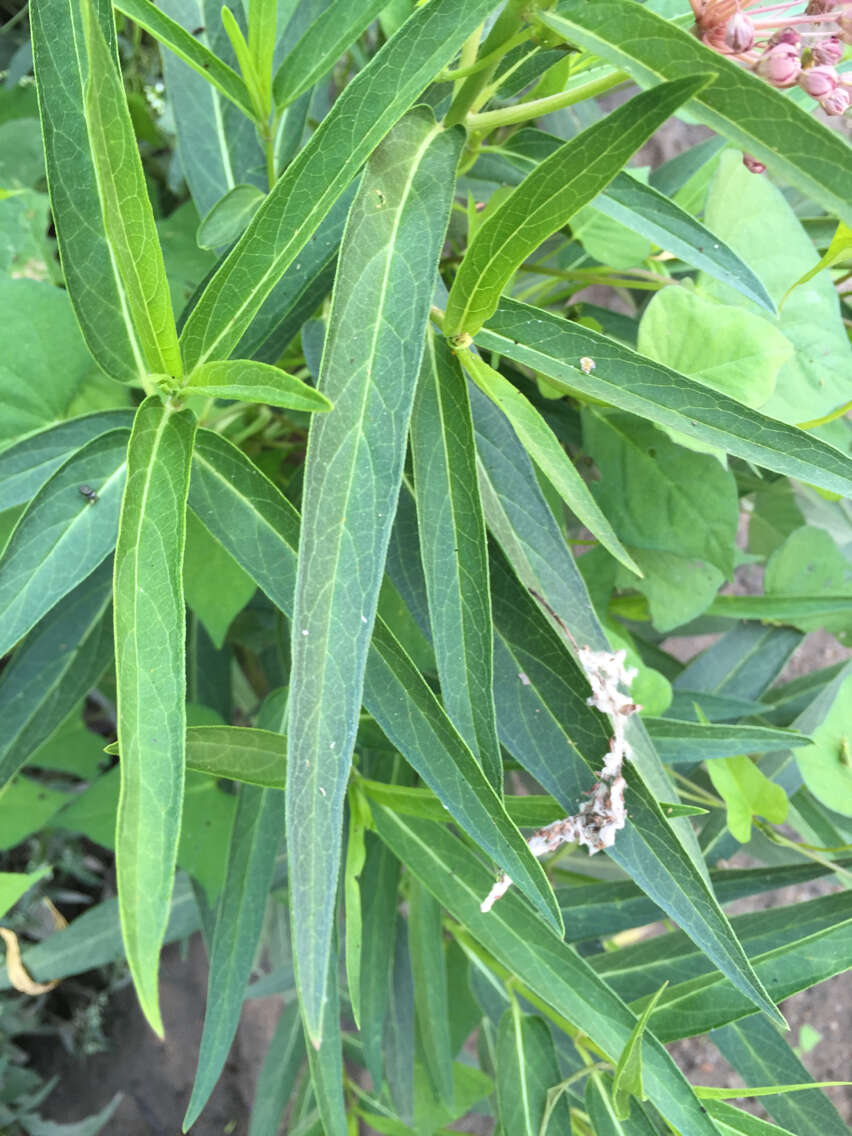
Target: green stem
{"points": [[450, 76], [508, 116]]}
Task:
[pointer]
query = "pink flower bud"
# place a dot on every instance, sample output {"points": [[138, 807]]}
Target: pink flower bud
{"points": [[785, 35], [779, 65], [739, 33], [837, 102], [828, 51], [845, 22], [818, 81], [753, 165]]}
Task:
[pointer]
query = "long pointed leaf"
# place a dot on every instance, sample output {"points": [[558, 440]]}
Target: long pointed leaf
{"points": [[389, 259], [453, 549], [149, 638], [556, 347], [549, 196], [62, 537], [739, 105]]}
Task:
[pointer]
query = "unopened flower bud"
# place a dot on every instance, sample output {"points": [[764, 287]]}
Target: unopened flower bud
{"points": [[818, 81], [753, 165], [844, 19], [785, 35], [779, 65], [828, 51], [739, 33], [837, 102]]}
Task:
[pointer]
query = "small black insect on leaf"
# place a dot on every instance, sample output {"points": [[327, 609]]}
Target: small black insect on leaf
{"points": [[89, 493]]}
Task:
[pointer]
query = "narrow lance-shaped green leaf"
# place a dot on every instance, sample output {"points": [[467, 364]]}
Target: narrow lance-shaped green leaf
{"points": [[356, 854], [545, 449], [151, 681], [188, 48], [454, 553], [277, 1078], [248, 381], [685, 742], [360, 118], [380, 308], [742, 107], [548, 967], [255, 839], [90, 269], [429, 971], [562, 350], [549, 196], [527, 1069], [63, 536], [250, 517], [127, 215], [53, 669], [334, 29], [627, 1079]]}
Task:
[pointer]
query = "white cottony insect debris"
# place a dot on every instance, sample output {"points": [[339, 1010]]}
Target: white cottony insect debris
{"points": [[525, 679], [603, 814], [587, 364], [304, 630]]}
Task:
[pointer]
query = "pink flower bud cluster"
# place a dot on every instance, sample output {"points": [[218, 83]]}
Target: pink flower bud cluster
{"points": [[787, 44]]}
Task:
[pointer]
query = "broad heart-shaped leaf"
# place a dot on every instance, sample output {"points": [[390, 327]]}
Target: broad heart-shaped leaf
{"points": [[91, 272], [385, 278], [53, 669], [334, 29], [260, 528], [27, 465], [248, 381], [639, 207], [570, 741], [545, 449], [740, 106], [548, 967], [549, 197], [360, 118], [127, 215], [659, 495], [453, 550], [151, 682], [526, 1069], [555, 347], [762, 1056], [255, 839], [188, 48], [682, 743], [62, 536]]}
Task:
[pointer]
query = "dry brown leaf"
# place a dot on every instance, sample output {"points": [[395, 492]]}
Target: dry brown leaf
{"points": [[18, 976]]}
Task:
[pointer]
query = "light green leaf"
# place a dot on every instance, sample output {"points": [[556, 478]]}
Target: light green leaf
{"points": [[526, 1070], [549, 197], [187, 265], [62, 537], [356, 854], [688, 742], [774, 516], [260, 528], [259, 106], [810, 563], [739, 105], [334, 29], [227, 219], [453, 550], [429, 971], [622, 378], [91, 272], [839, 249], [150, 670], [826, 766], [750, 212], [53, 669], [15, 884], [725, 347], [247, 381], [627, 1079], [188, 48], [548, 967], [262, 34], [277, 1078], [546, 451], [215, 586], [677, 589], [26, 806], [660, 496], [782, 608], [255, 839], [27, 465], [747, 792], [383, 291], [127, 216], [360, 118]]}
